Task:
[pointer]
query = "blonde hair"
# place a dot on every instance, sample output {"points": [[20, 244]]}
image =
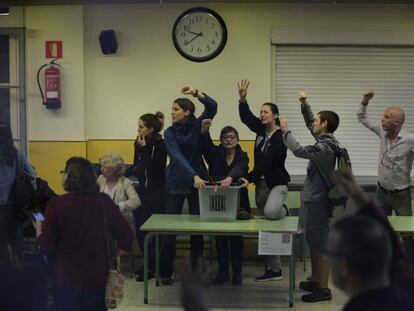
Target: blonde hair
{"points": [[113, 160]]}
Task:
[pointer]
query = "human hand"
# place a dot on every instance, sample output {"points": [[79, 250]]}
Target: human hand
{"points": [[198, 182], [205, 125], [346, 181], [303, 98], [226, 182], [188, 90], [243, 85], [140, 141], [283, 123], [244, 181], [368, 95]]}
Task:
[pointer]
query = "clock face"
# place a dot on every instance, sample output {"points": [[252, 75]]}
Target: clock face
{"points": [[199, 34]]}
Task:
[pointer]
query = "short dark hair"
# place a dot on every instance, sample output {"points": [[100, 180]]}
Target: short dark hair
{"points": [[7, 150], [186, 105], [365, 244], [228, 129], [156, 121], [80, 176], [331, 118]]}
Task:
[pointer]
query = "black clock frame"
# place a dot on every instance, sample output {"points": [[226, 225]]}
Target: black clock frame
{"points": [[222, 43]]}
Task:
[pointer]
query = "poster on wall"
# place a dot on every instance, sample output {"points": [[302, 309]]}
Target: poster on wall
{"points": [[54, 49]]}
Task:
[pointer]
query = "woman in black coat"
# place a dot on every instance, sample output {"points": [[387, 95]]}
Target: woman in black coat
{"points": [[227, 163], [149, 167]]}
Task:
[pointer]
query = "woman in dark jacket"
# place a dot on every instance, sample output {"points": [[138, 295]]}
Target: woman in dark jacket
{"points": [[185, 170], [269, 173], [77, 231], [227, 163], [149, 167]]}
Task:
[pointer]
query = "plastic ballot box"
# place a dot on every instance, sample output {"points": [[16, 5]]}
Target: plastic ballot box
{"points": [[218, 204]]}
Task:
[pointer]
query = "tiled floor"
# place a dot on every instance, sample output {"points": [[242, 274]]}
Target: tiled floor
{"points": [[250, 295]]}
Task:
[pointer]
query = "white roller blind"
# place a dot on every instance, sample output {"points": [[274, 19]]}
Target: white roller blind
{"points": [[335, 79]]}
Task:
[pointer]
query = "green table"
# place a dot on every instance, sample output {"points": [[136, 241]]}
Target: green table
{"points": [[403, 225], [191, 225]]}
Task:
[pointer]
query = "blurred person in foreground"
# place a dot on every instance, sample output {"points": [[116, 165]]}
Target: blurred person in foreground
{"points": [[366, 256]]}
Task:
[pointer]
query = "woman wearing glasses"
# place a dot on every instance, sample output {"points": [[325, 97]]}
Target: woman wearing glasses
{"points": [[269, 173], [227, 163]]}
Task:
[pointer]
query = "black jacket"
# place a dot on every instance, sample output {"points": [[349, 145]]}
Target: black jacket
{"points": [[149, 165], [271, 161], [218, 169]]}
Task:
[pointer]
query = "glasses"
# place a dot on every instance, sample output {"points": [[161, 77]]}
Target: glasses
{"points": [[62, 172], [388, 158], [228, 137]]}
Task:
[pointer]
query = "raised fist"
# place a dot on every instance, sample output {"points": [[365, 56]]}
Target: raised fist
{"points": [[205, 125], [303, 97], [187, 90]]}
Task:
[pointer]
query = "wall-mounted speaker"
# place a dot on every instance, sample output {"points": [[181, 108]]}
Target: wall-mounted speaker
{"points": [[108, 42]]}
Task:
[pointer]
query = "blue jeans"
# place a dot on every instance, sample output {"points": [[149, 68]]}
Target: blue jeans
{"points": [[174, 205], [75, 299]]}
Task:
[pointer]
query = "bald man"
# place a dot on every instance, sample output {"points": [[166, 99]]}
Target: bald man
{"points": [[395, 158]]}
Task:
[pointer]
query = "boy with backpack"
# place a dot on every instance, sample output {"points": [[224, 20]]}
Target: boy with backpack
{"points": [[315, 199]]}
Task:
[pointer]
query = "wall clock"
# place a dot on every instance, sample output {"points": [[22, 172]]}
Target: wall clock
{"points": [[199, 34]]}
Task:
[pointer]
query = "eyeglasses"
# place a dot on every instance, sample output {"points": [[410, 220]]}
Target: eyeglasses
{"points": [[228, 137], [62, 172]]}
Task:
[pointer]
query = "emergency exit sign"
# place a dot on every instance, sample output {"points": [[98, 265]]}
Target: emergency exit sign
{"points": [[53, 49]]}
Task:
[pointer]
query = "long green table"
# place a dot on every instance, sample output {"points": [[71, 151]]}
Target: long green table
{"points": [[190, 224], [403, 225]]}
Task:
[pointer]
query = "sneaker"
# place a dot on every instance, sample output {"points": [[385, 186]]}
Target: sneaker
{"points": [[220, 278], [236, 280], [166, 281], [140, 276], [308, 285], [269, 275], [319, 294]]}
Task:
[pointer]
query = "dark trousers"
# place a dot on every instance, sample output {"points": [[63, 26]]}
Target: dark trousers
{"points": [[9, 235], [73, 299], [235, 243], [174, 205], [151, 203]]}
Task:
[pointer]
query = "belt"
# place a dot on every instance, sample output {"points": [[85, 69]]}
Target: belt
{"points": [[391, 191]]}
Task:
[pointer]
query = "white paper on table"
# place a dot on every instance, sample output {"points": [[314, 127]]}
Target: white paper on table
{"points": [[271, 243]]}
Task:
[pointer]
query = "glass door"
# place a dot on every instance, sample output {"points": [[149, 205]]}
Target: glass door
{"points": [[12, 84]]}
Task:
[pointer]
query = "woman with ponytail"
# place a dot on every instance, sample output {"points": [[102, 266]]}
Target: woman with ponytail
{"points": [[150, 159]]}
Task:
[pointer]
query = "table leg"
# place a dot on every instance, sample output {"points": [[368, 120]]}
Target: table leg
{"points": [[291, 279], [147, 240], [157, 260]]}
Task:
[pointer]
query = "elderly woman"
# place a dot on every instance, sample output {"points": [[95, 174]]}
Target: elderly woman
{"points": [[119, 188], [76, 231]]}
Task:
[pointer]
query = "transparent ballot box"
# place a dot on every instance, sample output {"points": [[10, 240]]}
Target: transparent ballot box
{"points": [[217, 204]]}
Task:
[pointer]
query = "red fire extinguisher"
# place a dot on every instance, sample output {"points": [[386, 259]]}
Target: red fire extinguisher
{"points": [[51, 96]]}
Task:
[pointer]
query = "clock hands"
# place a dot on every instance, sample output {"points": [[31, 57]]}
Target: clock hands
{"points": [[195, 37], [194, 33]]}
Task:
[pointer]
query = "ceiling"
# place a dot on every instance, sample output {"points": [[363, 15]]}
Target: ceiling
{"points": [[65, 2]]}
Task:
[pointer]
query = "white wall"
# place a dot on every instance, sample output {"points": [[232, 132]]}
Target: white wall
{"points": [[104, 95], [56, 23], [147, 73]]}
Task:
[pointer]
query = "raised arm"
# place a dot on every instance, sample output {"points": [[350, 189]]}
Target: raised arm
{"points": [[311, 152], [306, 111], [210, 105], [372, 125], [246, 116], [208, 148]]}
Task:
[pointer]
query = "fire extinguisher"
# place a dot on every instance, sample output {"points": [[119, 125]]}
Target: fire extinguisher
{"points": [[51, 96]]}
